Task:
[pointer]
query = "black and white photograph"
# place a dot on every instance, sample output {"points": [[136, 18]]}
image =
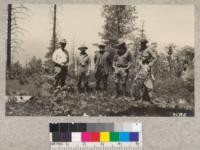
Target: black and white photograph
{"points": [[100, 60]]}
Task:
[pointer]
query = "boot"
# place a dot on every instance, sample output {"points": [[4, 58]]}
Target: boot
{"points": [[105, 93], [117, 91], [97, 93], [124, 92]]}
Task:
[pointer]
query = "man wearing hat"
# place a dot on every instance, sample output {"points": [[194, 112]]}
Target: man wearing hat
{"points": [[121, 63], [61, 59], [83, 69], [144, 77], [102, 63]]}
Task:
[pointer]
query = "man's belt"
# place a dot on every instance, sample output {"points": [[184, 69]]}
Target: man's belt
{"points": [[58, 65], [120, 66]]}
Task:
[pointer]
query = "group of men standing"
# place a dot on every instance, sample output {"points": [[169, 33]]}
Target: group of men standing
{"points": [[121, 63]]}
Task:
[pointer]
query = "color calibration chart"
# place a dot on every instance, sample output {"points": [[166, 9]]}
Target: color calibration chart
{"points": [[95, 136]]}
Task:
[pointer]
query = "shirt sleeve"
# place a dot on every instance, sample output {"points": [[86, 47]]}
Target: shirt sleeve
{"points": [[89, 63], [114, 61], [154, 57], [108, 58], [54, 57], [67, 54], [95, 58], [130, 59]]}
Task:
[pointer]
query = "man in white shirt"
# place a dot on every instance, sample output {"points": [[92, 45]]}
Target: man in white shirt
{"points": [[61, 59]]}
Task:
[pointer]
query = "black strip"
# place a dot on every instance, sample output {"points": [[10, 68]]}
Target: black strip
{"points": [[73, 127], [64, 127], [53, 127], [56, 137], [82, 127]]}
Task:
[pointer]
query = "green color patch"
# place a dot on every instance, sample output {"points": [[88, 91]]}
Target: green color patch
{"points": [[114, 136]]}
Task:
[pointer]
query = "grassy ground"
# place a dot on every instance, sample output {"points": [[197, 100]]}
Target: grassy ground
{"points": [[170, 97]]}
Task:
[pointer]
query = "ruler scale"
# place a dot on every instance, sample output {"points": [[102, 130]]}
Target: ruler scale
{"points": [[95, 136]]}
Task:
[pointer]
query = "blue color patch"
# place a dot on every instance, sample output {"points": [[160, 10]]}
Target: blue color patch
{"points": [[124, 136], [134, 136]]}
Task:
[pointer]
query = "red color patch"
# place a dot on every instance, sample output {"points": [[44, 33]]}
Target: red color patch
{"points": [[95, 136]]}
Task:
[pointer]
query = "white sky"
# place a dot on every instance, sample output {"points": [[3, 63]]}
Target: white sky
{"points": [[163, 24]]}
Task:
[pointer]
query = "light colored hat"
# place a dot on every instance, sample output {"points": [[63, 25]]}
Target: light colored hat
{"points": [[63, 41], [83, 47], [121, 43]]}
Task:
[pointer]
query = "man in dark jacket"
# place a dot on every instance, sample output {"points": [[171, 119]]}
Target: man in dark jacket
{"points": [[143, 85], [102, 64], [121, 63]]}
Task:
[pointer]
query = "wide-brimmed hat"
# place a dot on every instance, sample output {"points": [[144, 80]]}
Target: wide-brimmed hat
{"points": [[101, 46], [121, 44], [63, 41], [83, 47]]}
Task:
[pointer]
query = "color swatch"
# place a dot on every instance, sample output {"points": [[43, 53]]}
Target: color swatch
{"points": [[95, 132]]}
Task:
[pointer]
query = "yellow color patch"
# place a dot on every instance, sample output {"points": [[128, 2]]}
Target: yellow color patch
{"points": [[104, 136]]}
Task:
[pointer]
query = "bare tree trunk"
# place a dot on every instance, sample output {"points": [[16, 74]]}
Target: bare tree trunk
{"points": [[73, 56], [54, 34], [118, 22], [54, 28], [9, 39], [170, 64], [142, 30], [136, 56]]}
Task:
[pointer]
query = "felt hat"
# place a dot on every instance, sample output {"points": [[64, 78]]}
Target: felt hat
{"points": [[83, 47], [121, 44], [63, 41], [101, 46]]}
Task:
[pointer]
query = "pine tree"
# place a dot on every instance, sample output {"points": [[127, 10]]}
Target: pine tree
{"points": [[119, 22], [54, 42], [9, 37], [15, 13]]}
